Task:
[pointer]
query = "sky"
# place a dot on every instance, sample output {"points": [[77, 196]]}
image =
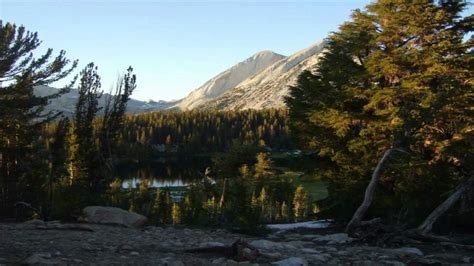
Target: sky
{"points": [[174, 46]]}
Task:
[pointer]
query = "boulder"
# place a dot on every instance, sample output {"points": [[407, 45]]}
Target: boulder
{"points": [[271, 245], [271, 255], [170, 261], [212, 245], [299, 244], [406, 251], [339, 238], [112, 215], [32, 224], [397, 263], [243, 251], [40, 258], [320, 257], [219, 261], [292, 261], [310, 250]]}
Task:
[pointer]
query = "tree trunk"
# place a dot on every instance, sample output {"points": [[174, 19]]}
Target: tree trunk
{"points": [[369, 193], [50, 189], [223, 196], [426, 227]]}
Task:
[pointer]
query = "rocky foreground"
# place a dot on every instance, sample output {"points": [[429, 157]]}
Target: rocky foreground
{"points": [[54, 243]]}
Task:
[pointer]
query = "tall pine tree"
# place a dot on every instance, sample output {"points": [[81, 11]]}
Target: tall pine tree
{"points": [[391, 99], [83, 151], [22, 113]]}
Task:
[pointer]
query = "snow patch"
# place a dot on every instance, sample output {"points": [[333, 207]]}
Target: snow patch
{"points": [[310, 224]]}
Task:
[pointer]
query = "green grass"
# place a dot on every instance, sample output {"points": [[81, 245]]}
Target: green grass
{"points": [[316, 188], [289, 173]]}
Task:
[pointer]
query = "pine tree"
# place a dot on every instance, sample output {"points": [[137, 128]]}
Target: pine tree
{"points": [[211, 207], [390, 100], [277, 211], [245, 171], [115, 192], [264, 167], [58, 155], [300, 204], [254, 203], [168, 140], [227, 164], [265, 206], [23, 113], [285, 212], [143, 198], [113, 119], [263, 170], [162, 207], [84, 165], [176, 214]]}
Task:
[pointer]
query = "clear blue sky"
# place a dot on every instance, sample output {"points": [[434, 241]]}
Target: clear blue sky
{"points": [[174, 46]]}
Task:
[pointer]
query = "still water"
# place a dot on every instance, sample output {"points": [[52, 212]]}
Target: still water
{"points": [[162, 173]]}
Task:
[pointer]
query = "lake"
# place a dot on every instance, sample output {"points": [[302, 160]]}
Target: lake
{"points": [[162, 173]]}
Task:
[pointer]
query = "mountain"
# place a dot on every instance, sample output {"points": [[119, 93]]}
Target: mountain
{"points": [[260, 81], [229, 79], [268, 88], [66, 103]]}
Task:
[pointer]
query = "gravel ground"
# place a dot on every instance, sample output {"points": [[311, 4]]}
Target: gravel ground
{"points": [[28, 243]]}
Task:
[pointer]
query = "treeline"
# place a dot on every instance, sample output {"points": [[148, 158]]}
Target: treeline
{"points": [[243, 198], [244, 210], [160, 133]]}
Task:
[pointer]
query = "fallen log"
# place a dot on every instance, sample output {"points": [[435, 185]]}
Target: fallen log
{"points": [[240, 251], [426, 227], [457, 246], [55, 225], [72, 227], [374, 221]]}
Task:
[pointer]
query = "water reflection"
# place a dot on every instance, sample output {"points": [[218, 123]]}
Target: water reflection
{"points": [[155, 183], [161, 173]]}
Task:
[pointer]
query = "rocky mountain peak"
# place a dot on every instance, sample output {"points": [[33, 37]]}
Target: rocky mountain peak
{"points": [[229, 79]]}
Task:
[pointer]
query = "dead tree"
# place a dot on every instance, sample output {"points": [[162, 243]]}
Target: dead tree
{"points": [[224, 194], [369, 192], [426, 227]]}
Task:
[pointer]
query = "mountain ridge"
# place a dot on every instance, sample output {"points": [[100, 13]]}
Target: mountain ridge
{"points": [[66, 103], [260, 81], [268, 88], [228, 79]]}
